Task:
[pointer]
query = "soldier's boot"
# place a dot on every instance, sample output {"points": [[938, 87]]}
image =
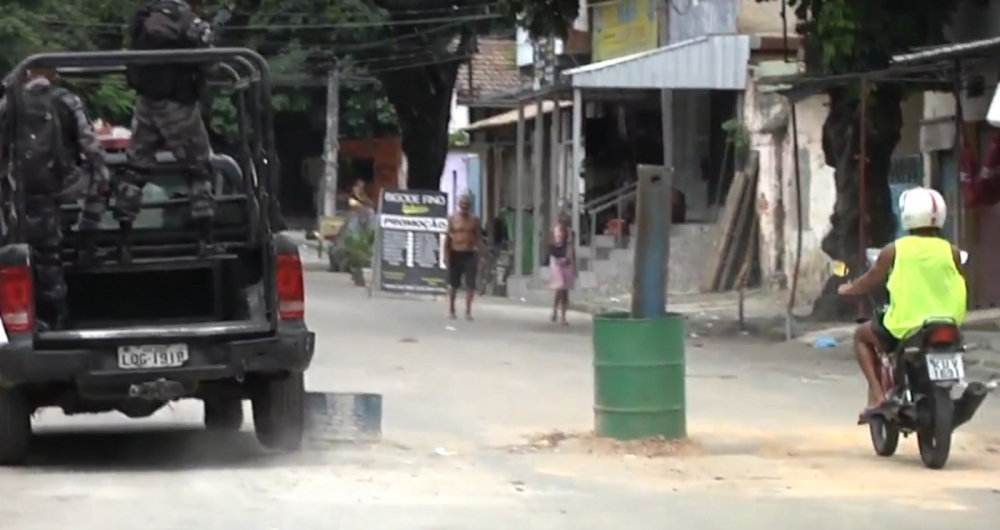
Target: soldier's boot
{"points": [[53, 316], [206, 240], [87, 254], [125, 242], [61, 319]]}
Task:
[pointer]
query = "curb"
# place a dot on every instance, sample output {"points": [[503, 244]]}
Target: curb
{"points": [[315, 266]]}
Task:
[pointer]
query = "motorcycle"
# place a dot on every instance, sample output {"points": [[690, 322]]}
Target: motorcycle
{"points": [[919, 377]]}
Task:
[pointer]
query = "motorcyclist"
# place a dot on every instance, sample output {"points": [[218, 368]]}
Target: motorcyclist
{"points": [[923, 274]]}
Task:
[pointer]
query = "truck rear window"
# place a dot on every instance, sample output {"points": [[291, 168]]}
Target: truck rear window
{"points": [[168, 182]]}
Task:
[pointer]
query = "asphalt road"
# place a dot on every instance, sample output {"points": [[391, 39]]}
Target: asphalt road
{"points": [[486, 427]]}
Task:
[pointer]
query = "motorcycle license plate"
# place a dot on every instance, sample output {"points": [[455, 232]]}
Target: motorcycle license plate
{"points": [[945, 367]]}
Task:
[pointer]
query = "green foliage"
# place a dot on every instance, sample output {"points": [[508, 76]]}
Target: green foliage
{"points": [[737, 134], [408, 46], [542, 18], [458, 139], [854, 35], [358, 248]]}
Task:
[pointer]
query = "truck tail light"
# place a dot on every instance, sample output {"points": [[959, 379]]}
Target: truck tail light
{"points": [[17, 299], [291, 288]]}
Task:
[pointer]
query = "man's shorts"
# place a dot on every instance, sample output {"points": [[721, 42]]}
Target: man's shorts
{"points": [[462, 265], [886, 341]]}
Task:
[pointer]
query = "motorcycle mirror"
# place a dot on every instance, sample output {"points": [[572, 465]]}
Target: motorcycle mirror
{"points": [[838, 269], [963, 256]]}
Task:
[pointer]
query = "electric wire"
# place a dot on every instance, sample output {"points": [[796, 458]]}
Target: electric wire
{"points": [[118, 28]]}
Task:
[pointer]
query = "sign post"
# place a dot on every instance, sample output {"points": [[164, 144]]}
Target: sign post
{"points": [[409, 242]]}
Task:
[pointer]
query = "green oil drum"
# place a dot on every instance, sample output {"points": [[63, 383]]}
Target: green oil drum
{"points": [[639, 377]]}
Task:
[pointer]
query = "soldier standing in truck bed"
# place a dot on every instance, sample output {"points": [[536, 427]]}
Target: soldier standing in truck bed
{"points": [[167, 116], [59, 160]]}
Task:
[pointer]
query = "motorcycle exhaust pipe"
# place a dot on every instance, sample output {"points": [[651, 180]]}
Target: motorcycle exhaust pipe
{"points": [[967, 405]]}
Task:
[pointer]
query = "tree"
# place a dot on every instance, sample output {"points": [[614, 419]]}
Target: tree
{"points": [[411, 48], [420, 79], [847, 36]]}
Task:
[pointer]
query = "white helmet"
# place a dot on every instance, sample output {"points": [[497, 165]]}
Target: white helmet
{"points": [[922, 208]]}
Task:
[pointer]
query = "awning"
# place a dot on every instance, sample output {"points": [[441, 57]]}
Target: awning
{"points": [[715, 62], [510, 117], [983, 48]]}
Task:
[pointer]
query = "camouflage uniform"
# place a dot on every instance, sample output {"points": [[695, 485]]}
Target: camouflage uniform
{"points": [[43, 218], [178, 128], [173, 123]]}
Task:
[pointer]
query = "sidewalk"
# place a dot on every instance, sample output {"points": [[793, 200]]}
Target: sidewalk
{"points": [[313, 258], [717, 314]]}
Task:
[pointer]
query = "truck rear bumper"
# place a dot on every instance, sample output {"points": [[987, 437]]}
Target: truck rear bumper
{"points": [[285, 352]]}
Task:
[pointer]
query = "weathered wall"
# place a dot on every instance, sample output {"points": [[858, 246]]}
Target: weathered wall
{"points": [[909, 140], [776, 194], [690, 19], [763, 18]]}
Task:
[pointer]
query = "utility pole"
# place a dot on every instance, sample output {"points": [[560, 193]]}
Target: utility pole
{"points": [[327, 196]]}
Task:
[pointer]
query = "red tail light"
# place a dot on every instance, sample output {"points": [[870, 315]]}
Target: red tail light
{"points": [[291, 288], [17, 299], [943, 335]]}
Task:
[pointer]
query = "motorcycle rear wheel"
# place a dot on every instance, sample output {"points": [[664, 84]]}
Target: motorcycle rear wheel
{"points": [[885, 436], [934, 439]]}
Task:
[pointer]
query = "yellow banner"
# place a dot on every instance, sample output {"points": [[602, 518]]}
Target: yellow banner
{"points": [[623, 27]]}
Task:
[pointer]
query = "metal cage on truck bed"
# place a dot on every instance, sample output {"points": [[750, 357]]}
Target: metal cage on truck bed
{"points": [[248, 77]]}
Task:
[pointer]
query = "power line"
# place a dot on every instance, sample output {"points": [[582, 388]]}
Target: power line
{"points": [[279, 27], [424, 11]]}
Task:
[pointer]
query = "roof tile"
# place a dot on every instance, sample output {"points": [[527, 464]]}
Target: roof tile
{"points": [[494, 71]]}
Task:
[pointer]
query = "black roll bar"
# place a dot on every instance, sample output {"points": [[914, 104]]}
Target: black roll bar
{"points": [[256, 65]]}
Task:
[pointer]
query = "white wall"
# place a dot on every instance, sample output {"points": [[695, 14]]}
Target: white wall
{"points": [[459, 115], [776, 194], [763, 18]]}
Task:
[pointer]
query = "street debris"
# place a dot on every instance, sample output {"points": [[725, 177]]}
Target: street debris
{"points": [[589, 443], [824, 342]]}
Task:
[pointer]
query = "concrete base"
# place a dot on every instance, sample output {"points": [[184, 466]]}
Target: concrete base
{"points": [[343, 417]]}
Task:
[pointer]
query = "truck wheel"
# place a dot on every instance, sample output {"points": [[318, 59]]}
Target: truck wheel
{"points": [[934, 436], [15, 427], [223, 414], [279, 412]]}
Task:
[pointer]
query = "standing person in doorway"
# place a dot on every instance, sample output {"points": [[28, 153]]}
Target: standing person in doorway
{"points": [[562, 265], [461, 246]]}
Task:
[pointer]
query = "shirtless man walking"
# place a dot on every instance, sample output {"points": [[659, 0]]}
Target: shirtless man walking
{"points": [[461, 254]]}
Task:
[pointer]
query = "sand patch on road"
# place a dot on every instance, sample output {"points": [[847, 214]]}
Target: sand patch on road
{"points": [[816, 462]]}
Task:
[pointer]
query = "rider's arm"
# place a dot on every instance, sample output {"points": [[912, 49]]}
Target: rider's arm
{"points": [[88, 144], [447, 241], [875, 275], [958, 260]]}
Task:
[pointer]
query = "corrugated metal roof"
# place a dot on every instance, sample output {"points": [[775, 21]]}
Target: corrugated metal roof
{"points": [[715, 62]]}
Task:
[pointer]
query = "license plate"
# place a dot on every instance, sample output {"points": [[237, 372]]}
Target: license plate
{"points": [[152, 356], [945, 367]]}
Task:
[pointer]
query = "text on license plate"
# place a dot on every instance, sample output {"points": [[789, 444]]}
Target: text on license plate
{"points": [[945, 366], [152, 356]]}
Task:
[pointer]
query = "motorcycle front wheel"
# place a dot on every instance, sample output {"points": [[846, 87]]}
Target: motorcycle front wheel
{"points": [[936, 413]]}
